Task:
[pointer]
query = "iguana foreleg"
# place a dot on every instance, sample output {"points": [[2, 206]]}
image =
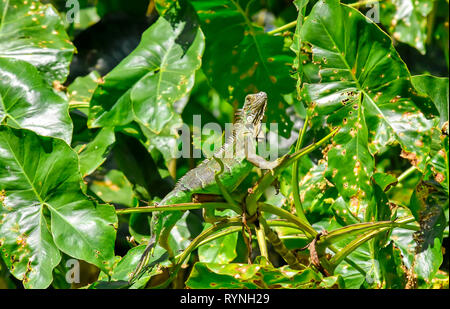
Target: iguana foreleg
{"points": [[257, 160]]}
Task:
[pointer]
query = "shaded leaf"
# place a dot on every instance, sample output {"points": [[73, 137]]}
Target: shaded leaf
{"points": [[80, 91], [406, 20], [391, 265], [146, 84], [238, 276], [385, 181], [26, 101], [250, 60], [221, 250], [94, 153], [115, 188], [139, 167], [33, 32], [427, 205]]}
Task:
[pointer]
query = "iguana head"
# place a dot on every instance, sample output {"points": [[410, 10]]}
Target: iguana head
{"points": [[254, 108]]}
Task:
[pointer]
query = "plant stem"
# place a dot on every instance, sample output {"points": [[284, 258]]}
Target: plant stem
{"points": [[265, 181], [290, 25], [378, 228], [309, 231], [261, 237], [274, 223], [78, 104], [181, 206], [194, 244], [406, 173], [294, 183], [360, 228]]}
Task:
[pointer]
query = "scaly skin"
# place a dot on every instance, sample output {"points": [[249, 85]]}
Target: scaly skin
{"points": [[238, 157]]}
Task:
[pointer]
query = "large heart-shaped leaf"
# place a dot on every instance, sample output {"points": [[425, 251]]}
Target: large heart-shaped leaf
{"points": [[367, 89], [144, 86], [428, 203], [250, 60], [34, 32], [238, 276], [26, 101], [407, 20], [438, 90], [43, 209]]}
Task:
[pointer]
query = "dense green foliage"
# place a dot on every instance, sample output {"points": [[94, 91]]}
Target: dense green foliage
{"points": [[92, 102]]}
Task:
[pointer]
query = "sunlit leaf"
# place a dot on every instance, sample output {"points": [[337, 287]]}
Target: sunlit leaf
{"points": [[238, 276], [146, 84], [26, 101], [33, 32], [43, 209], [406, 20], [366, 89]]}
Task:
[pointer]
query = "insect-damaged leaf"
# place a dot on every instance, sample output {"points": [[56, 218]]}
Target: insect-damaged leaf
{"points": [[240, 58], [146, 84], [33, 32], [26, 101], [366, 89], [43, 209], [438, 90], [406, 20], [427, 205], [238, 276]]}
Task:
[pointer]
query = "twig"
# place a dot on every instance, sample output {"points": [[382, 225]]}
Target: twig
{"points": [[290, 25]]}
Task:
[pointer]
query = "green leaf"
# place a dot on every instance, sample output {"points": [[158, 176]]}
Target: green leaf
{"points": [[33, 32], [221, 250], [250, 60], [127, 265], [406, 20], [146, 84], [385, 181], [26, 101], [390, 261], [162, 6], [438, 163], [427, 205], [44, 210], [245, 276], [80, 91], [187, 228], [93, 154], [115, 188], [361, 256], [297, 42], [350, 163], [437, 89], [136, 8], [139, 167]]}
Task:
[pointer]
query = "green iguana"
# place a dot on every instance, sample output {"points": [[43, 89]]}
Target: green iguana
{"points": [[238, 155]]}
